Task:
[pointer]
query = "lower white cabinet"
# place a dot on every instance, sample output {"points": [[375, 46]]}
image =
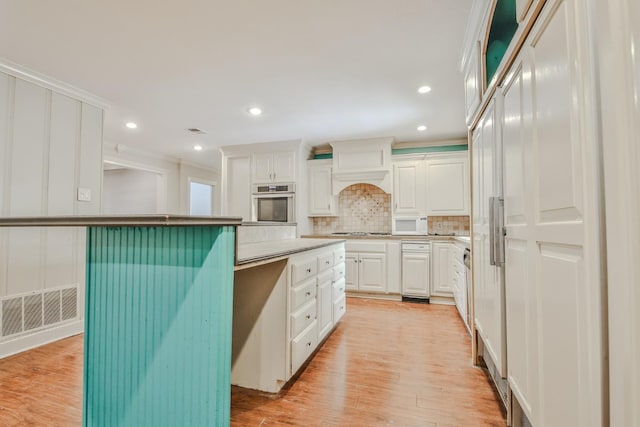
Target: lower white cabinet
{"points": [[325, 304], [416, 269], [366, 266], [316, 302], [441, 283], [303, 345]]}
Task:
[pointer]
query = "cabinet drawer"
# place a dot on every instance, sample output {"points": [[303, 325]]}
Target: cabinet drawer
{"points": [[303, 269], [338, 272], [303, 345], [303, 293], [302, 318], [339, 308], [338, 290], [325, 260], [338, 256]]}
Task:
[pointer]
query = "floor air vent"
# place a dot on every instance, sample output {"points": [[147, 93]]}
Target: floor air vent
{"points": [[37, 310]]}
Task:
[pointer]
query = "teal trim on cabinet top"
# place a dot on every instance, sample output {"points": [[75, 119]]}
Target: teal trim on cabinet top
{"points": [[159, 304], [503, 27], [438, 149], [415, 150]]}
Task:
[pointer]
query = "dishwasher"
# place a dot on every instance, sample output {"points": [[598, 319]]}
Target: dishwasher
{"points": [[416, 270]]}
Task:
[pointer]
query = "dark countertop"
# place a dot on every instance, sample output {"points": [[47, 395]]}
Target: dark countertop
{"points": [[117, 220]]}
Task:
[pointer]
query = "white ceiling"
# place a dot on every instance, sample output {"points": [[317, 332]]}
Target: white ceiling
{"points": [[321, 70]]}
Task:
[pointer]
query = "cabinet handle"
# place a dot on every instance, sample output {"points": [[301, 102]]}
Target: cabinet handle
{"points": [[327, 262], [342, 308], [308, 316], [308, 293], [396, 205], [329, 206]]}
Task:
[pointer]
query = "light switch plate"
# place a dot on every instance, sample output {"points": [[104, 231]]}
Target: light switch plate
{"points": [[84, 194]]}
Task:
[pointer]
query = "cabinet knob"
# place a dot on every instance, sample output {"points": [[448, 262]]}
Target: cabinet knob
{"points": [[342, 308], [308, 270], [309, 344], [308, 293], [327, 262], [308, 316]]}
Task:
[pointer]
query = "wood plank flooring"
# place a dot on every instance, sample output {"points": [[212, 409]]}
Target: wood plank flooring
{"points": [[387, 363]]}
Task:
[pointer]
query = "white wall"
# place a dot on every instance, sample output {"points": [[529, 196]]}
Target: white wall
{"points": [[130, 191], [50, 145]]}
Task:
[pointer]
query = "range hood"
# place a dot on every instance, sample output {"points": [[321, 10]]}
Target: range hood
{"points": [[362, 161]]}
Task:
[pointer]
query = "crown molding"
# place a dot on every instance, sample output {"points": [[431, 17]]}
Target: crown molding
{"points": [[45, 81]]}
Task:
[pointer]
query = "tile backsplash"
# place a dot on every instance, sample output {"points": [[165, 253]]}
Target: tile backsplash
{"points": [[361, 207], [458, 225], [365, 207]]}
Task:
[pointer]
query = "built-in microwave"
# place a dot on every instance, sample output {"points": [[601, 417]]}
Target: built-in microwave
{"points": [[273, 203], [409, 225]]}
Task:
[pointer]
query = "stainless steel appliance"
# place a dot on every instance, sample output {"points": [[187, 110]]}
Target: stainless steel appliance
{"points": [[273, 203]]}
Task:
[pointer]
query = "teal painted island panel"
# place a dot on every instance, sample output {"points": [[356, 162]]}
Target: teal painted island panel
{"points": [[158, 326]]}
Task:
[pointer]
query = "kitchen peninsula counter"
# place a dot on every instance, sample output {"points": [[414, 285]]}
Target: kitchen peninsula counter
{"points": [[251, 253], [158, 317]]}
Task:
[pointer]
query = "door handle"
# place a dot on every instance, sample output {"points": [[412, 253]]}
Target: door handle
{"points": [[496, 231]]}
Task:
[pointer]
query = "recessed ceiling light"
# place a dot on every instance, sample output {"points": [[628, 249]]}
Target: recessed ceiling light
{"points": [[424, 89], [255, 111], [422, 128], [197, 147], [131, 125]]}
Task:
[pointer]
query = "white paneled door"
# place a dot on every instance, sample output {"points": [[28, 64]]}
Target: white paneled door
{"points": [[553, 283]]}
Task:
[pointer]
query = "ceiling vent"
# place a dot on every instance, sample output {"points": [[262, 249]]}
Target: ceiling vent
{"points": [[196, 131]]}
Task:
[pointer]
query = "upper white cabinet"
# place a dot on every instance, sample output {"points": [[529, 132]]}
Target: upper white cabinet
{"points": [[472, 81], [322, 202], [448, 185], [408, 187], [273, 167], [237, 179]]}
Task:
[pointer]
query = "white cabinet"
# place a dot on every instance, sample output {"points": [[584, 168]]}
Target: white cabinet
{"points": [[553, 281], [366, 266], [322, 202], [273, 167], [408, 187], [472, 81], [325, 304], [237, 186], [448, 185], [441, 274], [416, 274], [316, 300], [488, 279], [366, 272], [351, 271]]}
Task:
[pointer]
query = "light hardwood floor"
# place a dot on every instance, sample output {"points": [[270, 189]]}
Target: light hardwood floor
{"points": [[387, 363]]}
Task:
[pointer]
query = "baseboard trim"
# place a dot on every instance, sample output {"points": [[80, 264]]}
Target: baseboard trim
{"points": [[441, 300], [40, 338], [373, 295]]}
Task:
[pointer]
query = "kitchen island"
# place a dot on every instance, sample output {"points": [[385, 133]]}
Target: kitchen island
{"points": [[158, 317]]}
